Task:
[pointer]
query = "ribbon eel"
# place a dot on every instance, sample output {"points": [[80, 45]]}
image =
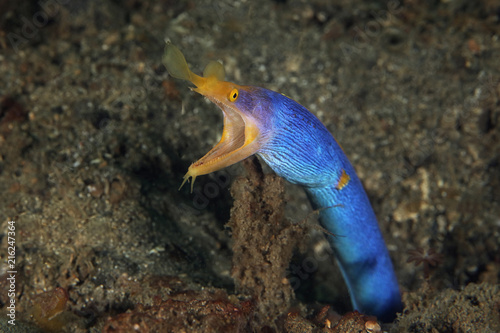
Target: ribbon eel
{"points": [[299, 148]]}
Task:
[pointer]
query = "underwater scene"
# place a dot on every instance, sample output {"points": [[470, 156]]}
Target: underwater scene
{"points": [[249, 166]]}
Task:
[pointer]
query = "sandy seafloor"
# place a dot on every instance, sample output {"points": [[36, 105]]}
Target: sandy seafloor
{"points": [[95, 138]]}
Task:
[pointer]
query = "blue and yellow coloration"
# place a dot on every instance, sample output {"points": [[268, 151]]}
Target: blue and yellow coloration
{"points": [[299, 148]]}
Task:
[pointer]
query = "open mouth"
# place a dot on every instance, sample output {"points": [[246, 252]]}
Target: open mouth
{"points": [[238, 141], [233, 137], [240, 133]]}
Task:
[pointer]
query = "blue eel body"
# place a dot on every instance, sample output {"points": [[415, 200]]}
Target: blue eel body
{"points": [[299, 148], [304, 152]]}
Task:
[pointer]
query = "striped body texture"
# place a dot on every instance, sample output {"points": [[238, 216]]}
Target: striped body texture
{"points": [[304, 152]]}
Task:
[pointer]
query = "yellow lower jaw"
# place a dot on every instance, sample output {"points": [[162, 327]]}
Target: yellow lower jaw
{"points": [[186, 177], [223, 155], [205, 167]]}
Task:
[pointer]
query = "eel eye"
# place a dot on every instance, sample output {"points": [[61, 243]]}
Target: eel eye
{"points": [[233, 95]]}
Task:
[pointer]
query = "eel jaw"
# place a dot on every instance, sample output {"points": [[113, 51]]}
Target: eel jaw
{"points": [[239, 140]]}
